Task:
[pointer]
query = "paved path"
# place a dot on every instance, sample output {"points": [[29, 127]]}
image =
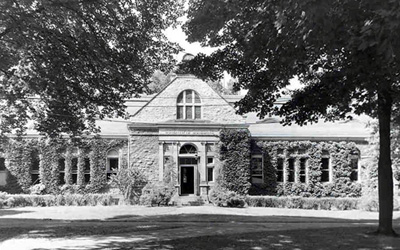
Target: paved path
{"points": [[107, 212]]}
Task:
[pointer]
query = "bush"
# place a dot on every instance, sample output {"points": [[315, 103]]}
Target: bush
{"points": [[223, 197], [130, 181], [303, 203], [160, 193], [156, 194], [37, 189], [55, 200]]}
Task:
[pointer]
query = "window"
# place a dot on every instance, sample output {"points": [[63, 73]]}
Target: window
{"points": [[35, 162], [112, 162], [2, 164], [187, 161], [279, 170], [74, 168], [188, 105], [210, 173], [354, 169], [325, 176], [302, 171], [86, 170], [210, 168], [61, 168], [256, 169], [187, 149], [291, 170]]}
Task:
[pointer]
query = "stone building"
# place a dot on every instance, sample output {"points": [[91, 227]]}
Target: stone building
{"points": [[181, 124]]}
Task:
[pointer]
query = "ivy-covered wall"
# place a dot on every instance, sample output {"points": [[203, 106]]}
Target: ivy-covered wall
{"points": [[340, 156], [22, 154], [234, 156]]}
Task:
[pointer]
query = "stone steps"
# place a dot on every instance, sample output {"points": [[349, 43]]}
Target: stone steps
{"points": [[190, 200]]}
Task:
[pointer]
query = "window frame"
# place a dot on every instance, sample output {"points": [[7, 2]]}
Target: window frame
{"points": [[257, 156], [61, 172], [212, 167], [109, 171], [185, 105], [305, 170], [35, 159], [85, 171], [357, 170], [74, 172], [4, 162], [280, 170], [329, 170], [291, 172]]}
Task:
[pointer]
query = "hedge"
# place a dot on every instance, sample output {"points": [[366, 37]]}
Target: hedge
{"points": [[303, 203], [22, 200], [348, 203]]}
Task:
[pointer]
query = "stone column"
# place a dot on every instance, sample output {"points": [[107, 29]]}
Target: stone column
{"points": [[296, 169], [203, 169], [160, 160], [175, 153], [203, 162]]}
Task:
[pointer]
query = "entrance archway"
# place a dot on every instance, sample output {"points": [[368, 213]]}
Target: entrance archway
{"points": [[187, 169]]}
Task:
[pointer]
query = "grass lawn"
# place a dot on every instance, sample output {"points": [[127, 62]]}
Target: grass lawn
{"points": [[188, 228]]}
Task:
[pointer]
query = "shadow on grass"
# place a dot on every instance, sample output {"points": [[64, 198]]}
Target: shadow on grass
{"points": [[299, 239], [4, 212], [201, 231], [211, 218]]}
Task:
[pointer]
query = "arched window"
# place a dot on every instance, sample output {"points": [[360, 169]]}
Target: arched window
{"points": [[187, 149], [188, 105], [112, 162]]}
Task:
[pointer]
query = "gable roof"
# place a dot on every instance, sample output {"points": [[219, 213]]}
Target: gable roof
{"points": [[162, 106]]}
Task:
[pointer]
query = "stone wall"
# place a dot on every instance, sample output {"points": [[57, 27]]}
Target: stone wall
{"points": [[163, 106], [144, 154]]}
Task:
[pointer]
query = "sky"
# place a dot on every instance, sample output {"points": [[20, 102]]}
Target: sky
{"points": [[178, 36]]}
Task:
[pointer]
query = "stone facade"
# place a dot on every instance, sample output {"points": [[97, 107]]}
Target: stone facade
{"points": [[143, 154], [162, 107]]}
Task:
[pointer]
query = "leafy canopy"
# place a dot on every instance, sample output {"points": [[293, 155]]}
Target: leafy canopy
{"points": [[343, 51], [65, 63]]}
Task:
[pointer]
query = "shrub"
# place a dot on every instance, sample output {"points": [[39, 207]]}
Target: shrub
{"points": [[223, 197], [160, 193], [156, 194], [37, 189], [130, 181], [303, 203], [56, 200]]}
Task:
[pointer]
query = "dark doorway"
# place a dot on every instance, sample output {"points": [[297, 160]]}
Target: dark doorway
{"points": [[187, 180]]}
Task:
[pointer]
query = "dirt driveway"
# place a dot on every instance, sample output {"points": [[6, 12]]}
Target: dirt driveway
{"points": [[130, 227]]}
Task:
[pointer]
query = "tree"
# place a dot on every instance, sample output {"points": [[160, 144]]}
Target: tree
{"points": [[158, 81], [65, 64], [345, 52]]}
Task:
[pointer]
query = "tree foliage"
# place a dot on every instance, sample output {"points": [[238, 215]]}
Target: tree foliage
{"points": [[346, 53], [66, 63]]}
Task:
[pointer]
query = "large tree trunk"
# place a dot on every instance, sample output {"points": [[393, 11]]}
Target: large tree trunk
{"points": [[385, 178]]}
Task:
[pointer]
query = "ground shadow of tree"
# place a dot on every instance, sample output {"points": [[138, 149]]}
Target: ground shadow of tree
{"points": [[200, 231]]}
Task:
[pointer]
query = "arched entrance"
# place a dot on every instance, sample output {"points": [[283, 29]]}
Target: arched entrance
{"points": [[187, 168]]}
